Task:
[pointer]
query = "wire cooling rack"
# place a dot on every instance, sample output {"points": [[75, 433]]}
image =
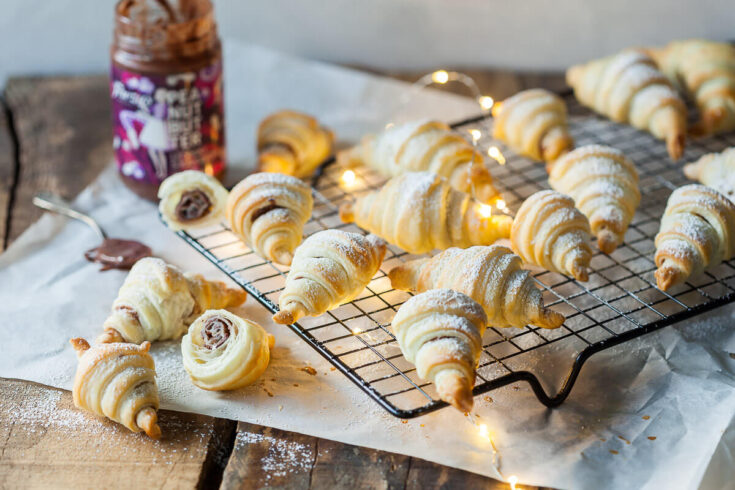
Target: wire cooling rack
{"points": [[618, 303]]}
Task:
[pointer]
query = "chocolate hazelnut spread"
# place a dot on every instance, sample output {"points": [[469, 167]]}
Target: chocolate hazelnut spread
{"points": [[166, 89], [114, 253], [265, 209], [193, 205], [216, 331]]}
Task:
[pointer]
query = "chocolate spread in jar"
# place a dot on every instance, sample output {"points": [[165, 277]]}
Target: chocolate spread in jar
{"points": [[216, 331], [114, 253], [166, 90], [193, 205]]}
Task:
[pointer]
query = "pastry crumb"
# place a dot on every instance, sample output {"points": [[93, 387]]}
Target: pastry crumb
{"points": [[296, 384], [268, 392], [309, 370], [646, 417], [624, 439], [612, 451], [603, 439], [332, 368], [404, 421], [651, 438], [488, 399], [280, 408]]}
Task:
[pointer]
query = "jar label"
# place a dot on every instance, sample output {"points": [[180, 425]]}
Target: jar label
{"points": [[164, 124]]}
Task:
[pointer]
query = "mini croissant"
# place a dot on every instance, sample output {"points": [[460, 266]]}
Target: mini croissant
{"points": [[550, 232], [425, 146], [440, 331], [420, 211], [533, 123], [331, 267], [292, 143], [492, 276], [268, 211], [715, 170], [629, 88], [191, 198], [118, 381], [697, 232], [604, 185], [704, 70], [158, 302]]}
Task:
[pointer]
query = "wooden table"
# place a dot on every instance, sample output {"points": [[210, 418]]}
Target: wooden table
{"points": [[55, 135]]}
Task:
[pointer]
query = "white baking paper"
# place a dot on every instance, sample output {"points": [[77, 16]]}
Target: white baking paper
{"points": [[658, 412]]}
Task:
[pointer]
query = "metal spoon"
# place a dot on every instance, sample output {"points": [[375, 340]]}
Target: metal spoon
{"points": [[56, 204]]}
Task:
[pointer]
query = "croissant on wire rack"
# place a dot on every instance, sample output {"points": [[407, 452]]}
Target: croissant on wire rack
{"points": [[420, 212], [604, 186], [697, 232], [292, 143], [533, 123], [716, 170], [268, 211], [425, 146], [158, 302], [118, 381], [704, 70], [331, 267], [224, 352], [550, 232], [492, 276], [191, 198], [440, 332], [628, 88]]}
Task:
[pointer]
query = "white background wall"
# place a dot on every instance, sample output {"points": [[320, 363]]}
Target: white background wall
{"points": [[72, 36]]}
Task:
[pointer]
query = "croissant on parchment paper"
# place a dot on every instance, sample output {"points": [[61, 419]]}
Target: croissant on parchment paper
{"points": [[158, 302], [629, 88], [420, 212], [440, 332], [697, 232], [492, 276], [268, 211], [715, 170], [118, 381], [420, 146]]}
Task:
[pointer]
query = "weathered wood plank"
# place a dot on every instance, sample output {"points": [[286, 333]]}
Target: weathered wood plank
{"points": [[48, 443], [64, 134], [7, 172]]}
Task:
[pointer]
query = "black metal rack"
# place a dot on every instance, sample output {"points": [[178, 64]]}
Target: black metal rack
{"points": [[620, 301]]}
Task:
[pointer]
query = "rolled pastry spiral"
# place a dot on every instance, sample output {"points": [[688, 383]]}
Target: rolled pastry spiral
{"points": [[425, 146], [715, 170], [158, 302], [420, 212], [222, 351], [629, 88], [604, 186], [331, 267], [292, 143], [704, 70], [550, 232], [440, 332], [492, 276], [697, 232], [191, 198], [118, 381], [268, 211], [533, 123]]}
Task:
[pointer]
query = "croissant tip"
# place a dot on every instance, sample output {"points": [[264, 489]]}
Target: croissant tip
{"points": [[455, 390], [80, 345], [284, 317], [675, 145], [580, 272], [607, 241], [346, 212], [109, 336], [283, 257], [147, 420], [668, 276]]}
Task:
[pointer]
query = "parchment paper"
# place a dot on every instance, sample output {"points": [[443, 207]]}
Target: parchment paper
{"points": [[658, 412]]}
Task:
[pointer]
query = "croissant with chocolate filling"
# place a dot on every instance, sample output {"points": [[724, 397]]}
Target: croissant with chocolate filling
{"points": [[604, 186], [118, 381], [158, 302], [191, 198], [331, 267], [224, 352], [425, 146], [697, 233], [629, 88], [420, 212], [292, 143], [533, 123], [492, 276], [704, 70], [440, 332], [715, 170], [550, 232], [268, 211]]}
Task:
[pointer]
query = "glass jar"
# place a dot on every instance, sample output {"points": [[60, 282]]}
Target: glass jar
{"points": [[166, 89]]}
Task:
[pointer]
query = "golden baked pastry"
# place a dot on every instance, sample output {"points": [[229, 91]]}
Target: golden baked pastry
{"points": [[715, 170], [191, 198]]}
